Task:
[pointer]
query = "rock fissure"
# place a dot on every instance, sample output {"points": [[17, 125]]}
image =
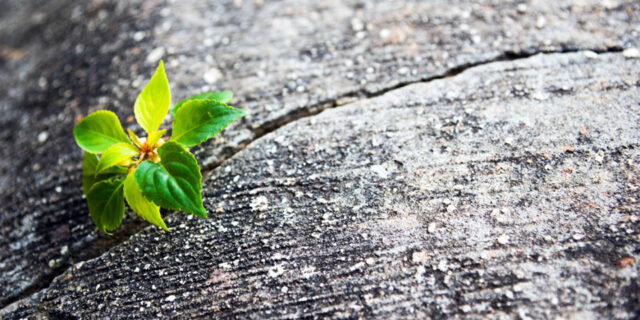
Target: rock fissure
{"points": [[354, 97]]}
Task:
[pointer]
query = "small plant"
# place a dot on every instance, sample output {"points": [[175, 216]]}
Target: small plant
{"points": [[153, 172]]}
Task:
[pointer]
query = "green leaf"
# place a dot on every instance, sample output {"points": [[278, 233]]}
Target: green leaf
{"points": [[134, 138], [89, 177], [153, 138], [116, 154], [106, 204], [153, 102], [175, 183], [222, 96], [98, 131], [146, 209], [200, 120]]}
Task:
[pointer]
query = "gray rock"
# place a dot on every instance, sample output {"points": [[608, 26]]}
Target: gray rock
{"points": [[333, 215], [285, 60], [59, 60]]}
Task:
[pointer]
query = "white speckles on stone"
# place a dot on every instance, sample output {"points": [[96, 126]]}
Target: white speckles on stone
{"points": [[380, 170], [509, 294], [578, 236], [276, 271], [308, 271], [451, 208], [155, 55], [420, 270], [208, 42], [64, 250], [432, 227], [357, 266], [541, 22], [357, 25], [443, 265], [170, 298], [138, 36], [520, 286], [103, 14], [465, 308], [260, 203], [631, 53], [42, 83], [419, 257], [43, 136], [403, 70], [384, 33], [590, 54], [212, 75], [508, 140], [503, 239], [522, 8], [52, 263]]}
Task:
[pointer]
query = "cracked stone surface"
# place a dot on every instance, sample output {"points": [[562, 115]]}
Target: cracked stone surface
{"points": [[509, 190], [285, 60]]}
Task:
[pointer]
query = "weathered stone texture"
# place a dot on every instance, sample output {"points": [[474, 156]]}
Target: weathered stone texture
{"points": [[59, 60], [540, 139], [508, 190]]}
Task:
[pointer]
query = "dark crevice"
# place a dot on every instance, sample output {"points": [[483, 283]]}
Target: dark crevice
{"points": [[133, 226], [355, 96], [40, 284], [130, 226]]}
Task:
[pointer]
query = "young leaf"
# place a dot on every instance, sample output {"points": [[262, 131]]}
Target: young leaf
{"points": [[153, 102], [153, 138], [89, 176], [116, 154], [106, 204], [199, 120], [98, 131], [134, 138], [175, 183], [146, 209], [222, 96]]}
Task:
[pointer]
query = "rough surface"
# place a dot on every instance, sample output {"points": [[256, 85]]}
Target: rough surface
{"points": [[509, 190], [285, 60]]}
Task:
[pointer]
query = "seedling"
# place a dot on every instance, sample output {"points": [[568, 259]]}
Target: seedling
{"points": [[153, 172]]}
